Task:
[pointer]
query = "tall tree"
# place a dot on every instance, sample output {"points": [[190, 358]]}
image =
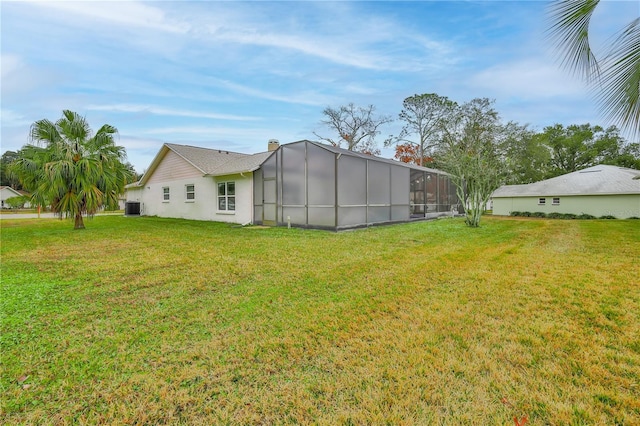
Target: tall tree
{"points": [[6, 178], [471, 154], [615, 75], [71, 169], [526, 157], [629, 156], [423, 117], [578, 146], [356, 127]]}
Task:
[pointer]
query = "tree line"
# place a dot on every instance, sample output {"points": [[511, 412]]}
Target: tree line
{"points": [[472, 143]]}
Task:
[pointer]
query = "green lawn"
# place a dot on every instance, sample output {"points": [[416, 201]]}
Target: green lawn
{"points": [[156, 321]]}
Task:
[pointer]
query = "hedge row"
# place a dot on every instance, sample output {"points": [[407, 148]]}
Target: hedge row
{"points": [[563, 215]]}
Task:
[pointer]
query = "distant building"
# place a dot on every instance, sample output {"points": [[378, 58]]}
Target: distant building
{"points": [[598, 191], [7, 192]]}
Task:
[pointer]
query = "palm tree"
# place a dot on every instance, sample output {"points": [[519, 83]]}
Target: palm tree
{"points": [[616, 75], [69, 168]]}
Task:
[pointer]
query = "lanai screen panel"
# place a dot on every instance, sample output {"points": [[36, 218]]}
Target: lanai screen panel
{"points": [[400, 193], [294, 191], [443, 193], [257, 196], [432, 192], [417, 197], [269, 185], [293, 175], [321, 186], [352, 191], [379, 192]]}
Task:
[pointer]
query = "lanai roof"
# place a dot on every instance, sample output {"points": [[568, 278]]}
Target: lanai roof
{"points": [[343, 151], [596, 180]]}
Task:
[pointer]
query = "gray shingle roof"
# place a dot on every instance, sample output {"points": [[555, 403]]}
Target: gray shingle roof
{"points": [[596, 180], [211, 162], [214, 161]]}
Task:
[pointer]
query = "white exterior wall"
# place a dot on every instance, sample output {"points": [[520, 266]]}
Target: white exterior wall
{"points": [[620, 206], [175, 173], [8, 192]]}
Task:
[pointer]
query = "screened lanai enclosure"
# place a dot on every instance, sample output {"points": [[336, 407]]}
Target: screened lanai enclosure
{"points": [[312, 185]]}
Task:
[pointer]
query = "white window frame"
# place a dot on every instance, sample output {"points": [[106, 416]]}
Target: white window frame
{"points": [[542, 201], [226, 196], [555, 201], [166, 194], [188, 192]]}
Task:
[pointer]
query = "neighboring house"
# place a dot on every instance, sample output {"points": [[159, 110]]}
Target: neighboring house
{"points": [[8, 192], [304, 183], [598, 191]]}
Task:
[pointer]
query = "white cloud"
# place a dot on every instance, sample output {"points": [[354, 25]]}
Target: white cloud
{"points": [[122, 13], [156, 110], [13, 119], [527, 79], [301, 98]]}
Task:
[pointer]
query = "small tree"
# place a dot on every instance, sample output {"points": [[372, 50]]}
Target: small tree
{"points": [[470, 153], [71, 169], [356, 127], [16, 202]]}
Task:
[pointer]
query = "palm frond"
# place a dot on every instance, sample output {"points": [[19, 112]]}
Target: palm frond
{"points": [[569, 32], [619, 97]]}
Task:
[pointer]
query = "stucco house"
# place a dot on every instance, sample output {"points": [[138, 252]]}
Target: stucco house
{"points": [[600, 190], [197, 183], [7, 192], [303, 183]]}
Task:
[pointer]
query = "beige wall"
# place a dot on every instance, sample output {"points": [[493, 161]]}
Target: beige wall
{"points": [[175, 173], [620, 206]]}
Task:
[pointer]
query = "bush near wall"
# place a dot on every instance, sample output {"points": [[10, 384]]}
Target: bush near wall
{"points": [[561, 215]]}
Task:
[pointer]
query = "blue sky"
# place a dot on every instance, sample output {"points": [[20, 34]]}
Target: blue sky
{"points": [[233, 75]]}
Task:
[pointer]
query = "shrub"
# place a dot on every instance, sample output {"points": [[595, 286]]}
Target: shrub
{"points": [[607, 216], [538, 214], [585, 216], [514, 214], [16, 202], [567, 216]]}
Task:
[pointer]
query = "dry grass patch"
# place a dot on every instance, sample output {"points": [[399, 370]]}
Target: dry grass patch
{"points": [[147, 320]]}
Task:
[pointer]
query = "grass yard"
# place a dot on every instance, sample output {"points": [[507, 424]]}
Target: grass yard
{"points": [[162, 321]]}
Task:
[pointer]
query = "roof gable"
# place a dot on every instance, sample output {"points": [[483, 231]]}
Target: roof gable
{"points": [[8, 189], [206, 161]]}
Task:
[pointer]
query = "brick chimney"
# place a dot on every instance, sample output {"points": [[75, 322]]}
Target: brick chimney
{"points": [[273, 145]]}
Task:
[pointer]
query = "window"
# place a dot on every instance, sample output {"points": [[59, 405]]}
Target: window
{"points": [[542, 201], [165, 193], [191, 192], [556, 201], [227, 196]]}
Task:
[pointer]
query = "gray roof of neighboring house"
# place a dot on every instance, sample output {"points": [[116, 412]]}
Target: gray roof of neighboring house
{"points": [[596, 180]]}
